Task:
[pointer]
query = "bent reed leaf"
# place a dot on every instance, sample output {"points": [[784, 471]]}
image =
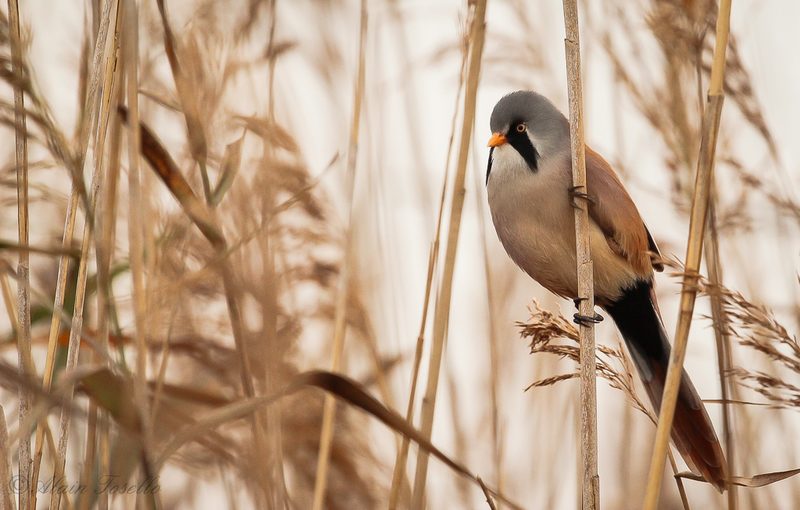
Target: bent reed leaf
{"points": [[166, 168], [340, 386], [755, 481]]}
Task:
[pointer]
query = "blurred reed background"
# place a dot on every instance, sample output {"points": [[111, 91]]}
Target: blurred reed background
{"points": [[283, 202]]}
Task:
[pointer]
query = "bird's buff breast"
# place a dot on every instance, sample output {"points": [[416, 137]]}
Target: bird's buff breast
{"points": [[534, 220]]}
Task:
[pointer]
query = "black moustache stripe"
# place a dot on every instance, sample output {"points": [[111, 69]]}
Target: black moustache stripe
{"points": [[522, 144], [489, 165]]}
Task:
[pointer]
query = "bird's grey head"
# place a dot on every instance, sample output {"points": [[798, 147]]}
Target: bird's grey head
{"points": [[531, 124]]}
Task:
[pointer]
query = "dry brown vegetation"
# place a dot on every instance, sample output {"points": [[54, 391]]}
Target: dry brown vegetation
{"points": [[219, 194]]}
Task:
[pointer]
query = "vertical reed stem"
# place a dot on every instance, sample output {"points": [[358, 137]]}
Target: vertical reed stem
{"points": [[340, 317], [96, 121], [442, 311], [6, 497], [694, 250], [590, 488], [723, 343], [23, 266], [398, 477]]}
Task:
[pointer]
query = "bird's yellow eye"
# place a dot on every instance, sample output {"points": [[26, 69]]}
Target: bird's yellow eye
{"points": [[520, 128]]}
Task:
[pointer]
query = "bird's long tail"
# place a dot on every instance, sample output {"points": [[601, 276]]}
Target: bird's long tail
{"points": [[636, 315]]}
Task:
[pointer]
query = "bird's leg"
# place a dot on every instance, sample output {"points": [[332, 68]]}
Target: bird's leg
{"points": [[574, 194], [585, 320]]}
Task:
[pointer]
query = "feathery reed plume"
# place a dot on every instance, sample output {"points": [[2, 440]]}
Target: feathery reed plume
{"points": [[612, 364], [755, 327]]}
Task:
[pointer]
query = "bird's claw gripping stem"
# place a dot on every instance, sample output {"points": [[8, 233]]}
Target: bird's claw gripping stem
{"points": [[575, 194], [585, 320]]}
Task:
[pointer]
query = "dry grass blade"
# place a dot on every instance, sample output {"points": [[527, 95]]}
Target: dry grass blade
{"points": [[751, 482], [476, 38], [694, 251]]}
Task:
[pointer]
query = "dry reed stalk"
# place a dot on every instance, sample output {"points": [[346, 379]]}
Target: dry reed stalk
{"points": [[130, 58], [340, 314], [398, 476], [402, 453], [722, 341], [26, 365], [694, 250], [8, 297], [7, 500], [96, 121], [494, 340], [55, 321], [590, 488], [97, 433], [442, 312]]}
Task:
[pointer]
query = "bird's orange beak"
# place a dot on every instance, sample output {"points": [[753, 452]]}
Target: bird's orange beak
{"points": [[497, 139]]}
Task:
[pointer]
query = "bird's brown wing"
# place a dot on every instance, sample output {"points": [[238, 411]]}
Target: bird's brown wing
{"points": [[613, 210]]}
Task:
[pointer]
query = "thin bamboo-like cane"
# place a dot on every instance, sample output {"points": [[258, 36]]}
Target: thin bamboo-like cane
{"points": [[442, 311], [590, 488], [340, 313], [23, 265], [694, 250]]}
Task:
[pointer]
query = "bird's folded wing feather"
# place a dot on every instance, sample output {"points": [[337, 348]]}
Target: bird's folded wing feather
{"points": [[613, 210]]}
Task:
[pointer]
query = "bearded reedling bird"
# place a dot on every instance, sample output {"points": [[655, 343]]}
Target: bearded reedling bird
{"points": [[529, 185]]}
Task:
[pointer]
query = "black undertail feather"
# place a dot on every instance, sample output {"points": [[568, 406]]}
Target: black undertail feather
{"points": [[692, 432]]}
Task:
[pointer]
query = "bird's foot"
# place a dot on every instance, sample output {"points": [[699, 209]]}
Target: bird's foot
{"points": [[587, 320], [575, 194]]}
